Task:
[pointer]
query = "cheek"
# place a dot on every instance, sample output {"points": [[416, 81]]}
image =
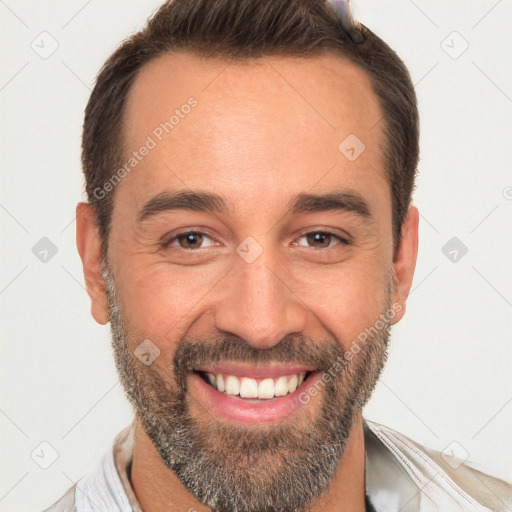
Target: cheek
{"points": [[162, 302], [348, 302]]}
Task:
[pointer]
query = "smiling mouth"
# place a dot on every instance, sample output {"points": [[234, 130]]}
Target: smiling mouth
{"points": [[254, 390]]}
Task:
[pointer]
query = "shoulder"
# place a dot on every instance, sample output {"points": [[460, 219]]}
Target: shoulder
{"points": [[488, 490], [64, 504], [445, 473], [102, 484]]}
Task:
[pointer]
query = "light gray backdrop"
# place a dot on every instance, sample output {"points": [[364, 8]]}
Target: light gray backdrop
{"points": [[448, 383]]}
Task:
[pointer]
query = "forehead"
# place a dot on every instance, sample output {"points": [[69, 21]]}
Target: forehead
{"points": [[257, 129]]}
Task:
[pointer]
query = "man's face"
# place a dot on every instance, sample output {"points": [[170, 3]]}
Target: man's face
{"points": [[256, 288]]}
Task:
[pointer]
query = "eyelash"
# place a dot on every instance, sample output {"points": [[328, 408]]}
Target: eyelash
{"points": [[165, 244]]}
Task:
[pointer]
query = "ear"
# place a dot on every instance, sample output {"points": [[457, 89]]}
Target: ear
{"points": [[88, 243], [404, 261]]}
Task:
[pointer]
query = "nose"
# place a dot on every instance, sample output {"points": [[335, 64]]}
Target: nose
{"points": [[259, 304]]}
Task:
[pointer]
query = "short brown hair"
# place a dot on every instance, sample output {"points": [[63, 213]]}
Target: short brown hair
{"points": [[248, 29]]}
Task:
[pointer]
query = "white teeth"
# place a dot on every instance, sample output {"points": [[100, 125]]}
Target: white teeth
{"points": [[220, 383], [292, 383], [281, 386], [266, 388], [247, 387], [232, 385]]}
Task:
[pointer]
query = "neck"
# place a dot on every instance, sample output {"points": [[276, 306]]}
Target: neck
{"points": [[158, 489]]}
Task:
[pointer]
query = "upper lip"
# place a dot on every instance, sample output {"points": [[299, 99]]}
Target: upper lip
{"points": [[259, 372]]}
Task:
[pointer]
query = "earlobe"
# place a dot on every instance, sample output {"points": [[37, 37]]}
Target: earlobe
{"points": [[88, 243], [405, 262]]}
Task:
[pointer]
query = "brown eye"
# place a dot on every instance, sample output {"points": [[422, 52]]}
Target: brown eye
{"points": [[322, 239], [189, 240]]}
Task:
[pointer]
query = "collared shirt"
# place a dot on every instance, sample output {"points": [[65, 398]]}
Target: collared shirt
{"points": [[401, 475]]}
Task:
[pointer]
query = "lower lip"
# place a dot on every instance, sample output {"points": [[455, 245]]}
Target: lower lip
{"points": [[250, 411]]}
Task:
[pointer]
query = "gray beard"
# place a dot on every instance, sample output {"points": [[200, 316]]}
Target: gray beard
{"points": [[245, 468]]}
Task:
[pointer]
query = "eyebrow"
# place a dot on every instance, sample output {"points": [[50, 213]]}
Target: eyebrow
{"points": [[347, 201], [201, 201]]}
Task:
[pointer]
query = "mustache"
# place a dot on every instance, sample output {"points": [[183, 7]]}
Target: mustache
{"points": [[192, 353]]}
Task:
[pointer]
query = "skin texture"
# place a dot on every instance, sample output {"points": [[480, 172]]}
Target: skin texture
{"points": [[262, 132]]}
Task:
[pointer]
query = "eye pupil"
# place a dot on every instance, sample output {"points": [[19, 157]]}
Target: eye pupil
{"points": [[190, 238], [319, 237]]}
